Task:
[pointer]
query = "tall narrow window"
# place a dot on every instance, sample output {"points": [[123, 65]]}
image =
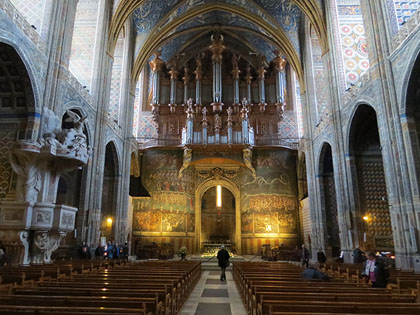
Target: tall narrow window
{"points": [[219, 196]]}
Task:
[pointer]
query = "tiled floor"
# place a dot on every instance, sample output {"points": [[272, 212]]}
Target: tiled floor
{"points": [[209, 296]]}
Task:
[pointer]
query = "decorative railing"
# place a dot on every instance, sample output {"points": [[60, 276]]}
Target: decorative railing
{"points": [[77, 86], [22, 24], [355, 89], [277, 142], [152, 143], [115, 126], [406, 30]]}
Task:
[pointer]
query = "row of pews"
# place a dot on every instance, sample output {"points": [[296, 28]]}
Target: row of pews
{"points": [[278, 288], [114, 287], [399, 281]]}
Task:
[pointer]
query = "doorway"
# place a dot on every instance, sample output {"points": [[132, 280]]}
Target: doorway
{"points": [[215, 223]]}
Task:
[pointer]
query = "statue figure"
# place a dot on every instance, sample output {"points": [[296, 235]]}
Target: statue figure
{"points": [[39, 246], [230, 120], [190, 110], [247, 156], [204, 120], [186, 162], [68, 136], [51, 126], [217, 122]]}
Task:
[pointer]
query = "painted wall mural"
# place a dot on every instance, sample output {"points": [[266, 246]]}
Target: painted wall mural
{"points": [[170, 209], [269, 208], [405, 9], [353, 40]]}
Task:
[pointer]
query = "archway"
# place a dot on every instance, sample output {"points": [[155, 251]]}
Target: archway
{"points": [[373, 218], [200, 191], [411, 124], [16, 100], [109, 192], [329, 201], [217, 222]]}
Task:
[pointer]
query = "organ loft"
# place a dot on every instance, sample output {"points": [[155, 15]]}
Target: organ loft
{"points": [[163, 130]]}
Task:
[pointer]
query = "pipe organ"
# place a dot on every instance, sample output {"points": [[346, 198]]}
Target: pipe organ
{"points": [[226, 98]]}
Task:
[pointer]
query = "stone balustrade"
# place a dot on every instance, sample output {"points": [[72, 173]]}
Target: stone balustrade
{"points": [[23, 25], [406, 30]]}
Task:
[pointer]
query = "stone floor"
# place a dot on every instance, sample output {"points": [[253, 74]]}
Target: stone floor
{"points": [[212, 296]]}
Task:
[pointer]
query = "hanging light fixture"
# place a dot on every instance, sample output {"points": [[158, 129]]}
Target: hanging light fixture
{"points": [[219, 196]]}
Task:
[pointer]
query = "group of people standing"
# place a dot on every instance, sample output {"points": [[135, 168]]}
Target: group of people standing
{"points": [[111, 250]]}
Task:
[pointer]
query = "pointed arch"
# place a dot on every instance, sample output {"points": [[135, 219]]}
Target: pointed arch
{"points": [[199, 192]]}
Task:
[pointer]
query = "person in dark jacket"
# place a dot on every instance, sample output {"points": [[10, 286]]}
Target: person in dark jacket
{"points": [[358, 256], [375, 271], [223, 258], [99, 251], [322, 259], [84, 251], [304, 256], [313, 273]]}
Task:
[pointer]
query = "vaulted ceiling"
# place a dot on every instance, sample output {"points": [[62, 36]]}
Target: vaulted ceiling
{"points": [[255, 27]]}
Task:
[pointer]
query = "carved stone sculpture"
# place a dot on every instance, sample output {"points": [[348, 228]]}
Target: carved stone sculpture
{"points": [[187, 161], [247, 156]]}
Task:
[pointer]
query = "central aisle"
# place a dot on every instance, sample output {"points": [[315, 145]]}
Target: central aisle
{"points": [[212, 296]]}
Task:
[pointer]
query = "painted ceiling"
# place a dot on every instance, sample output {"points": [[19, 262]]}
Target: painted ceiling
{"points": [[154, 15]]}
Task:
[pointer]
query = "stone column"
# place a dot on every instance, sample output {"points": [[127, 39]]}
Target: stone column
{"points": [[60, 17], [399, 187], [127, 101], [102, 69], [318, 226], [333, 61]]}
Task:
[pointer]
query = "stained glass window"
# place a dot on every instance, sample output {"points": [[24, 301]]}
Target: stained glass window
{"points": [[83, 43], [353, 40]]}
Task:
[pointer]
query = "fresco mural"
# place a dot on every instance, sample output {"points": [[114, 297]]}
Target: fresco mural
{"points": [[170, 208], [269, 207]]}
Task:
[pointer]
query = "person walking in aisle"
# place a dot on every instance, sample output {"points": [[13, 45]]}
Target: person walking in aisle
{"points": [[223, 258]]}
